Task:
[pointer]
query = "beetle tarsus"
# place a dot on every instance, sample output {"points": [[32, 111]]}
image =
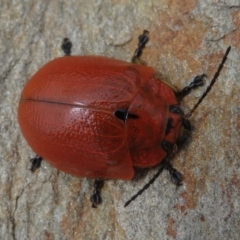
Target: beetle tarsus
{"points": [[197, 82], [96, 197], [36, 163], [176, 177], [142, 40], [66, 46]]}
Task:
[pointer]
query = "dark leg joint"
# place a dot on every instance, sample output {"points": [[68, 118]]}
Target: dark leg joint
{"points": [[96, 197], [186, 124], [167, 146], [66, 46], [182, 139], [176, 177], [175, 109], [36, 163]]}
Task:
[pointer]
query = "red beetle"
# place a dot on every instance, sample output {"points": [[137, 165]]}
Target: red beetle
{"points": [[101, 118]]}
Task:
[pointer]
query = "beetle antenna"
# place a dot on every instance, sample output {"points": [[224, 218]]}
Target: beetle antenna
{"points": [[220, 67], [145, 187]]}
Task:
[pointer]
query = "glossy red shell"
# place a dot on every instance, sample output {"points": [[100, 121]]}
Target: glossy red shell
{"points": [[66, 114]]}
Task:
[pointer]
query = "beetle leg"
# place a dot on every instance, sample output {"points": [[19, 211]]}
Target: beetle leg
{"points": [[197, 81], [167, 146], [96, 197], [36, 163], [176, 176], [186, 124], [182, 139], [66, 46], [187, 128], [175, 109], [142, 40]]}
